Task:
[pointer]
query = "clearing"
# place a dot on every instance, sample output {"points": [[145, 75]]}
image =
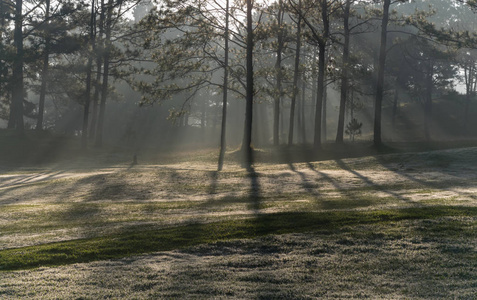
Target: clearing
{"points": [[384, 226]]}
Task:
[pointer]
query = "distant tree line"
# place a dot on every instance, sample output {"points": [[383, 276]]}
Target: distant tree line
{"points": [[282, 65]]}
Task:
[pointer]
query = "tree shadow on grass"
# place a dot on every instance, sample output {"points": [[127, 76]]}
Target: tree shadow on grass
{"points": [[255, 190], [440, 166], [369, 182]]}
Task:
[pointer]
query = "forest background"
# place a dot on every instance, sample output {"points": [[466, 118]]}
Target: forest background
{"points": [[164, 75]]}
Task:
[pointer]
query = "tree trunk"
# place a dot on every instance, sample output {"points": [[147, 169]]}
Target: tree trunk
{"points": [[203, 114], [428, 101], [321, 74], [301, 114], [314, 83], [324, 128], [104, 87], [44, 71], [97, 91], [469, 82], [380, 78], [278, 71], [223, 144], [97, 82], [395, 107], [344, 74], [16, 108], [247, 139], [319, 95], [84, 133], [296, 75]]}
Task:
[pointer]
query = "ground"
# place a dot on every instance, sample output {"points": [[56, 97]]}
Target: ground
{"points": [[388, 226]]}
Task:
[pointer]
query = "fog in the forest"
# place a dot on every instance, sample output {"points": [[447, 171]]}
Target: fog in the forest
{"points": [[148, 76]]}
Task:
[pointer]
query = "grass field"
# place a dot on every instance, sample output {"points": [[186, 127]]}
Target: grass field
{"points": [[388, 226]]}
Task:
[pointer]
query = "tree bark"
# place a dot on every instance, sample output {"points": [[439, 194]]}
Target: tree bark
{"points": [[16, 108], [99, 65], [104, 87], [319, 95], [44, 71], [321, 73], [380, 78], [301, 114], [223, 143], [324, 128], [469, 82], [84, 133], [394, 113], [296, 75], [278, 71], [428, 101], [344, 74], [247, 139]]}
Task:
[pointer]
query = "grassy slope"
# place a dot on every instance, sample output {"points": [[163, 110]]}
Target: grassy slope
{"points": [[146, 240], [302, 222]]}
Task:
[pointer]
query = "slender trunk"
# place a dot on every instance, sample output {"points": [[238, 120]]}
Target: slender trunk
{"points": [[468, 90], [314, 84], [44, 71], [97, 91], [351, 111], [380, 78], [2, 25], [395, 107], [278, 71], [319, 96], [428, 101], [295, 80], [321, 73], [202, 115], [324, 128], [302, 110], [247, 139], [344, 74], [223, 143], [104, 88], [84, 133], [16, 109], [97, 82], [186, 119]]}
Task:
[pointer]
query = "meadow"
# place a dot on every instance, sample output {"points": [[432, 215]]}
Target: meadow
{"points": [[393, 226]]}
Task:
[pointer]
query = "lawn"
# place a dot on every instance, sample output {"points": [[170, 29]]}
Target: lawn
{"points": [[384, 226]]}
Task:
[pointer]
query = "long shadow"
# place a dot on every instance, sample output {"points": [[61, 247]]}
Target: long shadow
{"points": [[369, 182], [30, 178], [305, 181], [255, 190], [214, 176], [352, 200], [440, 185]]}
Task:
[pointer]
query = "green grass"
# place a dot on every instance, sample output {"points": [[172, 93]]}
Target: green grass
{"points": [[146, 240], [392, 226]]}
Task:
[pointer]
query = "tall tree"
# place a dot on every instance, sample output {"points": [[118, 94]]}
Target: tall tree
{"points": [[344, 72], [223, 144], [87, 101], [16, 109], [247, 137], [295, 78], [104, 87], [322, 41], [279, 73], [45, 68], [380, 75]]}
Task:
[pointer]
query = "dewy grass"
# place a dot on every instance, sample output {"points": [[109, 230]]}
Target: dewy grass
{"points": [[147, 240]]}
